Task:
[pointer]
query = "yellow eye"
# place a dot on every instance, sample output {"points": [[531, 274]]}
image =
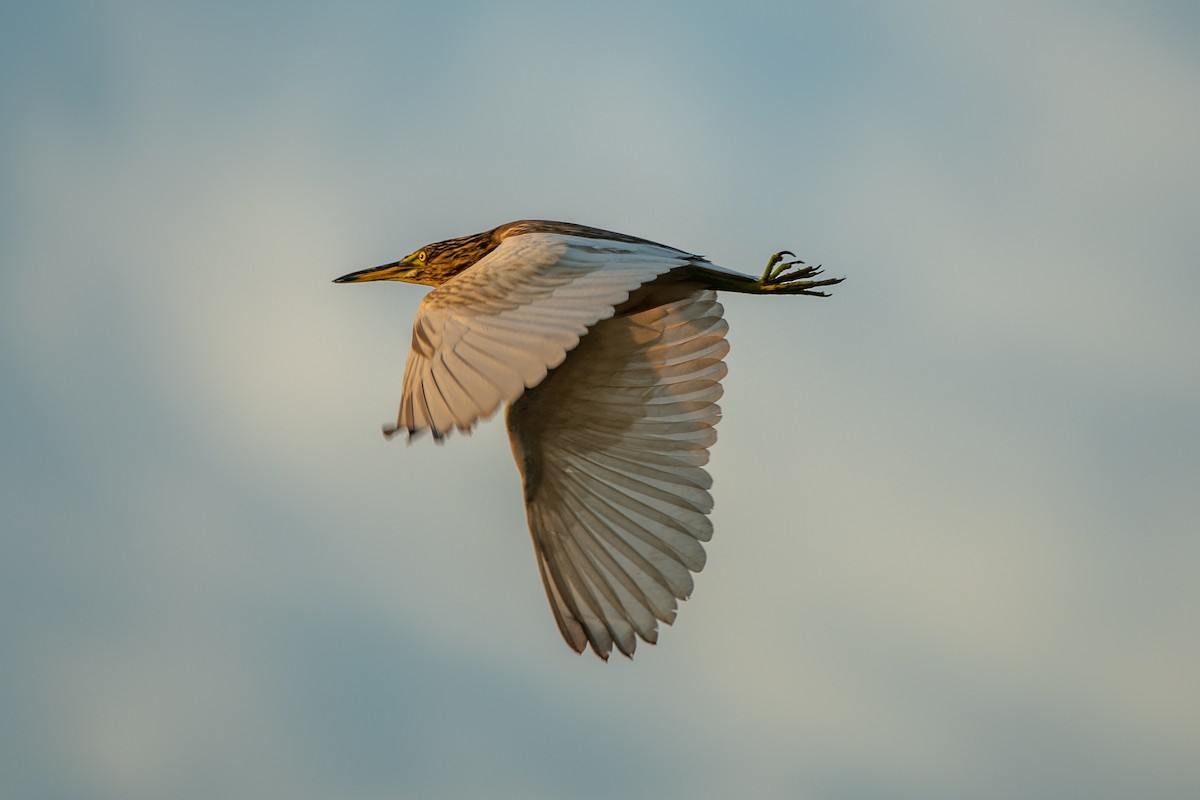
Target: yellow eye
{"points": [[421, 256]]}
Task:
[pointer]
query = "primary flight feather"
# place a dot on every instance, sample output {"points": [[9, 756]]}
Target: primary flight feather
{"points": [[608, 350]]}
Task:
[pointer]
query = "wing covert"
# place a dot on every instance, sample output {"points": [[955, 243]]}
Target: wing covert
{"points": [[483, 337]]}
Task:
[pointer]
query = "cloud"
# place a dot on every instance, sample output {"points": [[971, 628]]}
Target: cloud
{"points": [[953, 521]]}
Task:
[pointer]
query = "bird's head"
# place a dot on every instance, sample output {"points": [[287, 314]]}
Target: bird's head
{"points": [[433, 264]]}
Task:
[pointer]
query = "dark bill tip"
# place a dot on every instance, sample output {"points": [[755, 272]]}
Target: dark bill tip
{"points": [[380, 273]]}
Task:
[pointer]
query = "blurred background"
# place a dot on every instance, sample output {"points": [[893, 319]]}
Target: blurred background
{"points": [[957, 503]]}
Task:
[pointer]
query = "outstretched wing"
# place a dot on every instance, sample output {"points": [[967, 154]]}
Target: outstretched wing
{"points": [[611, 447], [484, 336]]}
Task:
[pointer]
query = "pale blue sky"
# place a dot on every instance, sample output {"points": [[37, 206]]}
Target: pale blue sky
{"points": [[957, 503]]}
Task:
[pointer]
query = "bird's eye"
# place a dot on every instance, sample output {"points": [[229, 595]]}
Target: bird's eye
{"points": [[421, 256]]}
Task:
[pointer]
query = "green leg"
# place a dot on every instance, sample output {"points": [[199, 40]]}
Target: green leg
{"points": [[780, 278]]}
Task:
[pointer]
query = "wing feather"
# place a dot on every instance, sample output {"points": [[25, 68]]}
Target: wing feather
{"points": [[568, 623], [611, 446], [580, 603], [628, 561], [601, 596], [513, 316], [640, 607]]}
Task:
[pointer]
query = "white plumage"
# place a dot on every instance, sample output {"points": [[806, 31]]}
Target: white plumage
{"points": [[609, 351], [611, 447], [484, 336]]}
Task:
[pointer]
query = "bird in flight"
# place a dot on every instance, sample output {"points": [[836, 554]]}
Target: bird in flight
{"points": [[608, 351]]}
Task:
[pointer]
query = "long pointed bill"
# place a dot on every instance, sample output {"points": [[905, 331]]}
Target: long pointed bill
{"points": [[388, 272]]}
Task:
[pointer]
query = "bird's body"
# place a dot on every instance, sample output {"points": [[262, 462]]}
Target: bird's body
{"points": [[608, 350]]}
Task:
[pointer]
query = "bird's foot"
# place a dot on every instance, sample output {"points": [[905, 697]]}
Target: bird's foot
{"points": [[793, 277]]}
